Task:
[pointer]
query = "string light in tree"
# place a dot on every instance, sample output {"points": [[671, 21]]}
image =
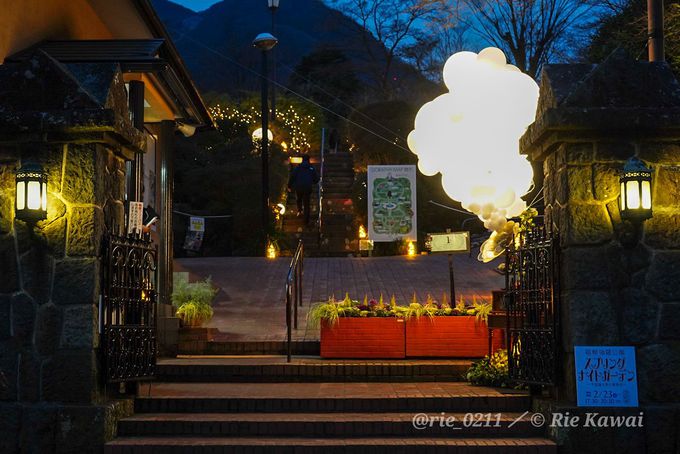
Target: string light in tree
{"points": [[290, 120]]}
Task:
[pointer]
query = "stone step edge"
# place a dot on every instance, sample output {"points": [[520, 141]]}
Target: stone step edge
{"points": [[347, 441], [216, 404]]}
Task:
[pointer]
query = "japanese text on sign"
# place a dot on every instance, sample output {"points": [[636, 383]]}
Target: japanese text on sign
{"points": [[196, 224], [606, 376]]}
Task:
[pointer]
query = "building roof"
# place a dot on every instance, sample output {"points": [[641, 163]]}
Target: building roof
{"points": [[153, 54], [123, 51], [134, 56]]}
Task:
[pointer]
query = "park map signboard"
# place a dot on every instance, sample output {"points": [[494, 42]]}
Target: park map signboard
{"points": [[392, 203]]}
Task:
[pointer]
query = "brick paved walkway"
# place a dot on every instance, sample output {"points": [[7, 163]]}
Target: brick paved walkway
{"points": [[251, 304]]}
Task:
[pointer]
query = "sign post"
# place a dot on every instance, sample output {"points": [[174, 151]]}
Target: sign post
{"points": [[449, 243]]}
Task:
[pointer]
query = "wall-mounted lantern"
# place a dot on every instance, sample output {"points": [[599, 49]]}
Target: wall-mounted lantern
{"points": [[636, 191], [31, 195]]}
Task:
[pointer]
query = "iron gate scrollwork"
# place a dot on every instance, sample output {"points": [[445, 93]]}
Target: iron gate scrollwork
{"points": [[532, 301], [128, 315]]}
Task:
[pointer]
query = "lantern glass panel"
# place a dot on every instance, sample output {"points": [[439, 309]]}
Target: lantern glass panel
{"points": [[21, 195], [44, 197], [646, 195], [34, 201], [623, 196], [632, 195]]}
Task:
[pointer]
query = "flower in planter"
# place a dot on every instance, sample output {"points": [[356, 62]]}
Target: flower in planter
{"points": [[193, 301], [490, 371]]}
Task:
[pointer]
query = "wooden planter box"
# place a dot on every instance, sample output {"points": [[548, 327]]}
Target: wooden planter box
{"points": [[372, 337], [447, 337]]}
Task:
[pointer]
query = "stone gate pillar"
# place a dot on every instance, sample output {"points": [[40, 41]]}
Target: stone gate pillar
{"points": [[590, 120], [73, 120]]}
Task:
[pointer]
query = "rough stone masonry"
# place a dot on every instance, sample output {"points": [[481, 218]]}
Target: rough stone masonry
{"points": [[74, 121], [591, 119]]}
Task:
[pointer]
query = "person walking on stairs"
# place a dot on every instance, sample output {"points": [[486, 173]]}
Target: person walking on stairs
{"points": [[301, 180]]}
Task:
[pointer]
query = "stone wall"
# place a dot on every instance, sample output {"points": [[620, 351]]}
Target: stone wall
{"points": [[49, 295], [52, 395], [591, 120]]}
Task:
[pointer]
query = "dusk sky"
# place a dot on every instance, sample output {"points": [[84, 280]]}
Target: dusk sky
{"points": [[196, 5]]}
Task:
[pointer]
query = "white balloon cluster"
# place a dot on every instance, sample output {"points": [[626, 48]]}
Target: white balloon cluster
{"points": [[471, 135]]}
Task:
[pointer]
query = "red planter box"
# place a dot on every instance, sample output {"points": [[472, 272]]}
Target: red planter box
{"points": [[446, 337], [372, 337]]}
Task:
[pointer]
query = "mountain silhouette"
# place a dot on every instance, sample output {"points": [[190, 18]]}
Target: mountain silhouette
{"points": [[216, 44]]}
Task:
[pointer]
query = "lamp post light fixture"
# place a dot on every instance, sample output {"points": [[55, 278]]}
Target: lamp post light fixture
{"points": [[636, 191], [635, 202], [273, 7], [265, 42], [31, 195]]}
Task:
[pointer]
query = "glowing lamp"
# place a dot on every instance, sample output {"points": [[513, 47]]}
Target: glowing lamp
{"points": [[362, 233], [257, 135], [479, 121], [636, 191], [295, 160], [31, 195], [411, 251], [271, 251]]}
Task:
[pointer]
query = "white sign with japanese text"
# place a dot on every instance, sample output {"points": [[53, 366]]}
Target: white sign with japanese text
{"points": [[135, 217]]}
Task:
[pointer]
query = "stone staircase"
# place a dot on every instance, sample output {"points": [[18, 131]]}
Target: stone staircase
{"points": [[338, 235], [338, 232], [264, 405]]}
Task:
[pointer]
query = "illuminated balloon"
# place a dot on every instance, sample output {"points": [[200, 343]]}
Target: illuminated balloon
{"points": [[471, 136]]}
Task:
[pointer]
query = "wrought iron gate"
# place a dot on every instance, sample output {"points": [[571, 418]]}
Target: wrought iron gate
{"points": [[128, 312], [532, 302]]}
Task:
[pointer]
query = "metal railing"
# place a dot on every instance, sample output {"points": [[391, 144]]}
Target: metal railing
{"points": [[294, 293], [319, 207]]}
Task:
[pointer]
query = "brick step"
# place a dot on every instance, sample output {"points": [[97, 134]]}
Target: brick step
{"points": [[338, 180], [199, 445], [337, 159], [273, 369], [225, 347], [340, 193], [327, 425], [361, 397]]}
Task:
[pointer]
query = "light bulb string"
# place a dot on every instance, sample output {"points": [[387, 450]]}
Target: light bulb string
{"points": [[304, 98]]}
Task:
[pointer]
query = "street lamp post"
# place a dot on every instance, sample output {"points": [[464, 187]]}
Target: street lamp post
{"points": [[273, 7], [265, 42]]}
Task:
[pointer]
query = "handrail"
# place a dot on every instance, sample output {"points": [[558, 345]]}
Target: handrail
{"points": [[294, 292], [319, 208]]}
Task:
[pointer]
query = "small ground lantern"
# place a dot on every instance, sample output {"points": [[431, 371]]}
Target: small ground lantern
{"points": [[636, 191], [411, 251], [31, 196]]}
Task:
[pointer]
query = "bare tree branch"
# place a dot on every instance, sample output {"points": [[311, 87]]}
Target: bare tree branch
{"points": [[529, 31]]}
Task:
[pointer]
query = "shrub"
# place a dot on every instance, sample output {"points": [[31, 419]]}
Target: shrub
{"points": [[193, 301], [490, 371], [200, 292], [331, 311], [194, 314]]}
